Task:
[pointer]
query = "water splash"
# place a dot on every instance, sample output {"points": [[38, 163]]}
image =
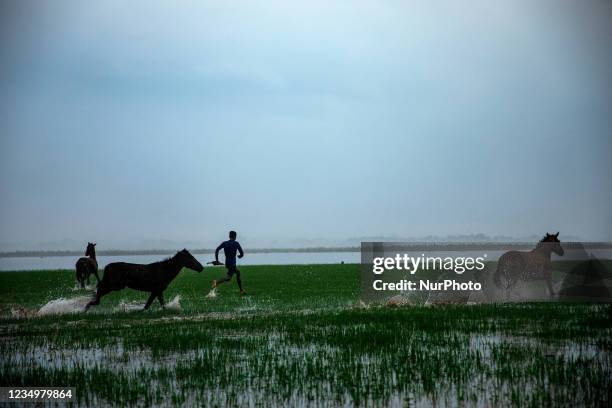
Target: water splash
{"points": [[212, 293], [21, 312], [133, 306], [174, 304], [129, 306], [64, 306]]}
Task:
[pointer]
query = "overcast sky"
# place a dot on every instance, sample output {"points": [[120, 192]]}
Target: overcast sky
{"points": [[153, 124]]}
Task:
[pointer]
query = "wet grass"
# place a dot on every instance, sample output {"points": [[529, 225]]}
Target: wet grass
{"points": [[298, 338]]}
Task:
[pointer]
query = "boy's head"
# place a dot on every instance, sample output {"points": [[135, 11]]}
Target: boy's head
{"points": [[232, 234]]}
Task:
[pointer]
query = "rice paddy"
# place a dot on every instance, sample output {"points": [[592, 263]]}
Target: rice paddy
{"points": [[299, 338]]}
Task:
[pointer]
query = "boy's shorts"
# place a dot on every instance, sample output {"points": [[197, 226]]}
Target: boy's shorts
{"points": [[231, 270]]}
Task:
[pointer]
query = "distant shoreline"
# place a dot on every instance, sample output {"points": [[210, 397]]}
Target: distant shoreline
{"points": [[433, 245], [117, 252]]}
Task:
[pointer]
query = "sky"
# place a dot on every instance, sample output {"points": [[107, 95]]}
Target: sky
{"points": [[154, 124]]}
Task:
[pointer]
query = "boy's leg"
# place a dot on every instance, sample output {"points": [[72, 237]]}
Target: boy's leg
{"points": [[239, 281], [227, 278]]}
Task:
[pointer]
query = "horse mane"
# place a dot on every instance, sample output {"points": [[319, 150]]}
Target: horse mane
{"points": [[545, 240], [541, 242], [545, 237], [165, 260]]}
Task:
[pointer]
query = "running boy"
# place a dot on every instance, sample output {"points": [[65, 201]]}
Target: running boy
{"points": [[230, 248]]}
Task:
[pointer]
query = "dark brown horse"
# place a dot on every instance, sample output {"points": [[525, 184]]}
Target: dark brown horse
{"points": [[532, 265], [153, 278], [87, 265]]}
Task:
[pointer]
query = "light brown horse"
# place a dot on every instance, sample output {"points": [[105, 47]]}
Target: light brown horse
{"points": [[87, 265], [532, 265]]}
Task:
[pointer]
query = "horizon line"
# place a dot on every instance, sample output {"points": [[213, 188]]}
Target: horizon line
{"points": [[454, 244]]}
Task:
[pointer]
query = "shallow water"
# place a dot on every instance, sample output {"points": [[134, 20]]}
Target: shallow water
{"points": [[134, 305], [135, 362], [270, 258]]}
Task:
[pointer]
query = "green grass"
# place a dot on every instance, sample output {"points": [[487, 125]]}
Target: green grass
{"points": [[299, 338]]}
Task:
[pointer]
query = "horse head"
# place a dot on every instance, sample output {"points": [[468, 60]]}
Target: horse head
{"points": [[187, 260], [91, 249], [555, 244]]}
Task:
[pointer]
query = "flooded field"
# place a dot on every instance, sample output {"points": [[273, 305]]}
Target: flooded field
{"points": [[299, 338]]}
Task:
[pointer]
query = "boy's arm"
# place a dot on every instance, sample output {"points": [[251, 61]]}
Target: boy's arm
{"points": [[217, 251], [240, 251]]}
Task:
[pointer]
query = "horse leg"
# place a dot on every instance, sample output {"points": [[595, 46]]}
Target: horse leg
{"points": [[96, 274], [96, 300], [150, 300], [79, 278], [510, 282], [549, 284], [160, 296]]}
